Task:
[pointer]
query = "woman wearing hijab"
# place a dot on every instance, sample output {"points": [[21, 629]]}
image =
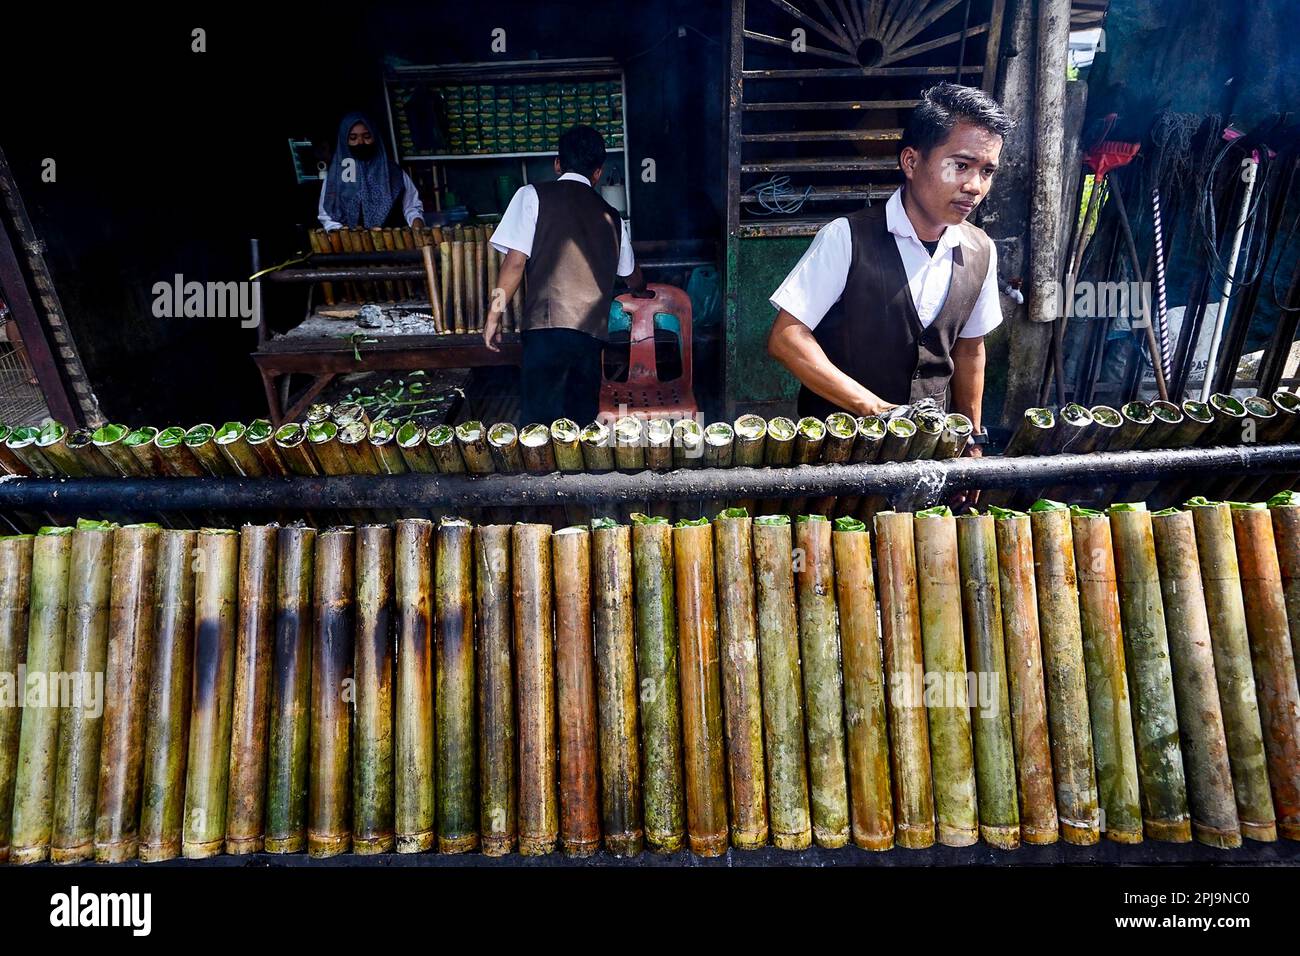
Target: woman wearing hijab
{"points": [[363, 188]]}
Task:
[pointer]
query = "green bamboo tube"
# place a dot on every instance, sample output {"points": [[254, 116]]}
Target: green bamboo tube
{"points": [[1197, 427], [496, 711], [1135, 418], [1109, 701], [34, 778], [952, 754], [126, 692], [810, 436], [995, 758], [957, 429], [353, 442], [52, 440], [866, 448], [1271, 659], [1166, 419], [140, 442], [410, 440], [616, 688], [929, 428], [656, 659], [778, 452], [1285, 509], [372, 743], [1165, 814], [899, 433], [231, 440], [629, 440], [290, 724], [503, 444], [200, 440], [1229, 417], [329, 786], [742, 692], [22, 444], [15, 597], [598, 447], [566, 442], [576, 693], [260, 437], [871, 807], [415, 813], [750, 449], [292, 446], [534, 642], [841, 430], [10, 462], [782, 679], [179, 460], [1224, 604], [1065, 673], [1287, 422], [1024, 657], [1073, 426], [445, 449], [108, 440], [456, 771], [85, 654], [659, 444], [167, 717], [207, 772], [381, 435], [697, 629], [909, 735], [1200, 717], [536, 450], [471, 440]]}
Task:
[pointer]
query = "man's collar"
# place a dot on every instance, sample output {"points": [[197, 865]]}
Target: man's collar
{"points": [[575, 177], [898, 222]]}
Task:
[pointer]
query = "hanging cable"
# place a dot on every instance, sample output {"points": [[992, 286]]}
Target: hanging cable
{"points": [[777, 198]]}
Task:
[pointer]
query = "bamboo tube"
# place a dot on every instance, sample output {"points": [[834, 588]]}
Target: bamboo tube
{"points": [[598, 447], [1032, 434], [899, 433], [85, 653], [373, 239], [1224, 604], [866, 448], [207, 772], [496, 712], [448, 273], [445, 449], [503, 444], [455, 758], [140, 442], [871, 808], [290, 720], [534, 640], [1065, 673], [482, 288], [616, 688], [357, 452], [126, 692], [320, 244], [909, 737], [381, 435], [1272, 661], [1146, 654], [809, 438], [470, 250], [778, 452], [34, 778], [1024, 657], [180, 461], [21, 444], [1285, 510], [9, 462], [1200, 717], [929, 428], [688, 443], [629, 452], [719, 443], [167, 718], [1109, 699], [414, 807], [1136, 417], [659, 444], [199, 440], [52, 440], [108, 441], [697, 628], [410, 439], [566, 445], [536, 450], [954, 438], [742, 703], [372, 755], [952, 754], [231, 439], [995, 759], [656, 658], [15, 597], [750, 446], [329, 790], [456, 251], [471, 438]]}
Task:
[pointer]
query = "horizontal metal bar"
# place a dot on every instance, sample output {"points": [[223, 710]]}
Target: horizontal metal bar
{"points": [[830, 105], [930, 478], [847, 73], [820, 165], [825, 135], [832, 193], [344, 273]]}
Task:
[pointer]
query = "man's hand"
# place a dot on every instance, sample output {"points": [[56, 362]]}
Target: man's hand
{"points": [[873, 404], [492, 332], [417, 223]]}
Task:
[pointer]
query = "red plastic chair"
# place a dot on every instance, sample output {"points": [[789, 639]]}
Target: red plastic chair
{"points": [[643, 394]]}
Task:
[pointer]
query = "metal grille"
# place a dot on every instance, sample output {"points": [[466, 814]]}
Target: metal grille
{"points": [[21, 402]]}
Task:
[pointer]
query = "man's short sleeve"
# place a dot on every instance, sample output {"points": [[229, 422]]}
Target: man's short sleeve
{"points": [[987, 313], [518, 224]]}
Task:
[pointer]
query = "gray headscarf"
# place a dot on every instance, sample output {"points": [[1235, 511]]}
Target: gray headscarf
{"points": [[368, 198]]}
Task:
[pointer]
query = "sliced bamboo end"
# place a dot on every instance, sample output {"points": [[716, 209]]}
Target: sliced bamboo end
{"points": [[875, 842], [22, 855], [625, 844], [498, 845], [160, 852], [950, 835], [1221, 838], [533, 846], [1259, 832], [369, 846], [293, 844], [913, 836], [242, 846], [458, 844], [1001, 837], [830, 839], [792, 841], [1169, 831], [579, 849], [201, 850], [714, 844], [1289, 831], [80, 853], [749, 839], [665, 842], [319, 845], [1039, 835], [421, 842], [117, 852], [1080, 834]]}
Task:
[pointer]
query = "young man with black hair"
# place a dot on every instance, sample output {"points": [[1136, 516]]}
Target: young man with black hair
{"points": [[891, 304], [571, 245]]}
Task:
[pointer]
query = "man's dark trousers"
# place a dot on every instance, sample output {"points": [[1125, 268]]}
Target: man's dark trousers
{"points": [[560, 377]]}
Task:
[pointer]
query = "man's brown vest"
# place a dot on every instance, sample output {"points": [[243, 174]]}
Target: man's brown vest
{"points": [[575, 257], [873, 333]]}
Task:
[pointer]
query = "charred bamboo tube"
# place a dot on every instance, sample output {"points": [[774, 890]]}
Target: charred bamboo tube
{"points": [[322, 439], [232, 441], [656, 658], [207, 770], [742, 703], [199, 439], [410, 440], [140, 442], [1135, 418], [1024, 656], [357, 452], [126, 692], [1271, 659], [909, 735], [290, 717], [697, 627], [1285, 509], [38, 739], [382, 436], [866, 448], [995, 759], [1287, 403], [415, 812], [503, 444], [496, 711], [871, 808], [15, 597], [536, 450], [85, 653], [455, 755], [957, 429], [1200, 717], [952, 753], [809, 438], [576, 692], [1229, 417], [1065, 673], [1032, 435], [616, 688], [1167, 420], [372, 753], [1224, 604], [108, 440], [1109, 701], [444, 448], [1146, 655], [566, 445], [929, 428], [598, 447], [52, 440], [750, 449], [167, 718], [450, 274], [329, 787], [180, 462], [1196, 428], [778, 452], [472, 441], [471, 283], [534, 642], [659, 444]]}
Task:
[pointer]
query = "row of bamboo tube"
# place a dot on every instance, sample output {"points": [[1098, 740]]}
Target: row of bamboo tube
{"points": [[461, 269], [1061, 674]]}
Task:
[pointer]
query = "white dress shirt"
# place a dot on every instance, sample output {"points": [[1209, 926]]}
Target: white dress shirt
{"points": [[518, 226], [817, 281], [412, 208]]}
